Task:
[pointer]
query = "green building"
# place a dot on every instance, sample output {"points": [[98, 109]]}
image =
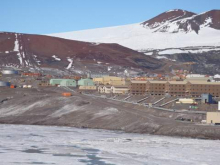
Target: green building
{"points": [[85, 82], [55, 81], [63, 82]]}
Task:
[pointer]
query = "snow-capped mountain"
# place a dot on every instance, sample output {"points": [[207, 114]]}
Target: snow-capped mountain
{"points": [[175, 21], [173, 32], [175, 38]]}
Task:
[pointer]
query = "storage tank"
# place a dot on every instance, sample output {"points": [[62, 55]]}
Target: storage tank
{"points": [[8, 72], [186, 101], [4, 84], [25, 86]]}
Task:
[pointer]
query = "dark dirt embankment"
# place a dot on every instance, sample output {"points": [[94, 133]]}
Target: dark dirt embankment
{"points": [[46, 106]]}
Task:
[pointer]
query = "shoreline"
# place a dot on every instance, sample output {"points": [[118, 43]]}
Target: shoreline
{"points": [[117, 131]]}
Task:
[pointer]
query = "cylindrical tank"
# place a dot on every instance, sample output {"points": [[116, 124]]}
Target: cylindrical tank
{"points": [[9, 72], [4, 84]]}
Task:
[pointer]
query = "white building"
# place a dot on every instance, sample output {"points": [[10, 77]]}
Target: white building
{"points": [[107, 89], [104, 89], [198, 77], [122, 89], [101, 88], [195, 75]]}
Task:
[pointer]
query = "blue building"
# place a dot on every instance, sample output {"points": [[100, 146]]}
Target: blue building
{"points": [[207, 98]]}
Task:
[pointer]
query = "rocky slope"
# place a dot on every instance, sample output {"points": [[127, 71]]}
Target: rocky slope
{"points": [[46, 106]]}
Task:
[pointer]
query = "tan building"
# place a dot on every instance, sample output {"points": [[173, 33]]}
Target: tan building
{"points": [[98, 80], [137, 87], [186, 101], [109, 80], [175, 88], [87, 88], [117, 82], [213, 117], [156, 87], [122, 89], [196, 88]]}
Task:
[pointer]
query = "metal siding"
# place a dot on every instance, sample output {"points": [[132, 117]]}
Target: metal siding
{"points": [[67, 82], [63, 82], [85, 82]]}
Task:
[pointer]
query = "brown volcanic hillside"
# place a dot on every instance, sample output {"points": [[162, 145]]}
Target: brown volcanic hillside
{"points": [[214, 15], [181, 20], [24, 50]]}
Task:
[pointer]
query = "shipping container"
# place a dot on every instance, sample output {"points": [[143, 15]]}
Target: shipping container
{"points": [[66, 94], [12, 86]]}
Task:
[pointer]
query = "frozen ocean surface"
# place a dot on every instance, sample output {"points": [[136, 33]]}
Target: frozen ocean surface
{"points": [[23, 145]]}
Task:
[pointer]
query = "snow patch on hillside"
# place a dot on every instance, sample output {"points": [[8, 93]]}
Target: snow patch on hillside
{"points": [[208, 21], [16, 49], [70, 62], [107, 111], [56, 58], [109, 68], [161, 57], [65, 110], [172, 10], [19, 109], [95, 43], [178, 51], [36, 60]]}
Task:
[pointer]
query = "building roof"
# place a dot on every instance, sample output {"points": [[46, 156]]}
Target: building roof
{"points": [[85, 79], [195, 75], [107, 86], [178, 82], [120, 86], [111, 77], [63, 79], [204, 82], [138, 82], [217, 76], [158, 82]]}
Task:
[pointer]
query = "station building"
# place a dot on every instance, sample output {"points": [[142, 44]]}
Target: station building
{"points": [[213, 118], [109, 80], [175, 88], [85, 82], [63, 82], [138, 87], [120, 89]]}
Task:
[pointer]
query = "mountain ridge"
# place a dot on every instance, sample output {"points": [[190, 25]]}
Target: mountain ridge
{"points": [[180, 29], [184, 21]]}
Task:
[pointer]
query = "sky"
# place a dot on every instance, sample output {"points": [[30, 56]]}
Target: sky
{"points": [[54, 16]]}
